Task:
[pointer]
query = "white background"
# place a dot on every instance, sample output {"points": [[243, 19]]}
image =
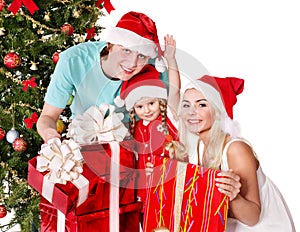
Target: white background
{"points": [[258, 40]]}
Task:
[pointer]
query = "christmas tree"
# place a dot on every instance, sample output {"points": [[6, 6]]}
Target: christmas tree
{"points": [[32, 34]]}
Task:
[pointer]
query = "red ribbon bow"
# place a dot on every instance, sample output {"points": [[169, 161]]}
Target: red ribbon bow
{"points": [[90, 32], [31, 120], [29, 4], [28, 83], [107, 5]]}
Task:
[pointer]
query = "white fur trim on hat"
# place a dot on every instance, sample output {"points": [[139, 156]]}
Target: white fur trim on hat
{"points": [[131, 40], [144, 91], [209, 91]]}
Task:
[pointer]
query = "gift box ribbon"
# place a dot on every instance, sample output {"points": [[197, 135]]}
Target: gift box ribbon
{"points": [[63, 161], [97, 125], [103, 125]]}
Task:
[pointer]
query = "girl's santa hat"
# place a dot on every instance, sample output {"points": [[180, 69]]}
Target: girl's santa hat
{"points": [[222, 92], [145, 84], [137, 32]]}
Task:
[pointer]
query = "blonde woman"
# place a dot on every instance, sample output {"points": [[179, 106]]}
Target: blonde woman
{"points": [[212, 140]]}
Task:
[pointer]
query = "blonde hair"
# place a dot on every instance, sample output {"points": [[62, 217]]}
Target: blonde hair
{"points": [[217, 137], [173, 147], [163, 113]]}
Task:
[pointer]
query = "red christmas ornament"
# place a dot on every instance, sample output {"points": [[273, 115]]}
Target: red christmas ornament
{"points": [[19, 145], [2, 134], [3, 211], [67, 29], [12, 60], [2, 4], [55, 57]]}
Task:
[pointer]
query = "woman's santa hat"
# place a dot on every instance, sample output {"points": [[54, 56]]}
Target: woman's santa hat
{"points": [[146, 84], [222, 92], [137, 32]]}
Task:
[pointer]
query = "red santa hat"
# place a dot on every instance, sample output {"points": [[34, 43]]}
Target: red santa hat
{"points": [[222, 92], [137, 32], [145, 84]]}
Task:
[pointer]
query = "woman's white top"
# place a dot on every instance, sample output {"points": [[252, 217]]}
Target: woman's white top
{"points": [[275, 215]]}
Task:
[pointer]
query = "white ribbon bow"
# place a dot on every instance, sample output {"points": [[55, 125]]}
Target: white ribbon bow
{"points": [[97, 125], [63, 160], [103, 125]]}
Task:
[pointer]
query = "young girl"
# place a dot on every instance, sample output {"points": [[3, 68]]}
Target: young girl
{"points": [[151, 109]]}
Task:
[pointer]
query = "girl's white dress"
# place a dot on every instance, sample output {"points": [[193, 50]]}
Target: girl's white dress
{"points": [[275, 215]]}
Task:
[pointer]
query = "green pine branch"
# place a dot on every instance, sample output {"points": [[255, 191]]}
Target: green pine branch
{"points": [[34, 38]]}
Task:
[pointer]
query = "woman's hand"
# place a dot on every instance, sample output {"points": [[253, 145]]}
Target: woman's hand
{"points": [[149, 168], [229, 183]]}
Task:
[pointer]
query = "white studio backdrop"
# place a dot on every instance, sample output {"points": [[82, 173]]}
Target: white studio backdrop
{"points": [[256, 40]]}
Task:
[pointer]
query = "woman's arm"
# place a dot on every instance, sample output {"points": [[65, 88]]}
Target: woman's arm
{"points": [[46, 124], [241, 184]]}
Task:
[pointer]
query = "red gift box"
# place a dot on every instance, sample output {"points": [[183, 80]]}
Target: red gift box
{"points": [[100, 199], [64, 196], [98, 158], [96, 221], [183, 197]]}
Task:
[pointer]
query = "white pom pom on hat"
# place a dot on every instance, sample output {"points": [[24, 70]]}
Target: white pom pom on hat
{"points": [[137, 32], [119, 102]]}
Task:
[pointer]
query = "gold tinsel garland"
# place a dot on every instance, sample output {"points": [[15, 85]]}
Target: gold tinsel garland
{"points": [[15, 178], [16, 80]]}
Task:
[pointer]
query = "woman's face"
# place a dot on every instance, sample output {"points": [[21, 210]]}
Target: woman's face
{"points": [[123, 63], [196, 112]]}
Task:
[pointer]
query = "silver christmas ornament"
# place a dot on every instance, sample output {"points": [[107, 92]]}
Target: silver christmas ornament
{"points": [[12, 135]]}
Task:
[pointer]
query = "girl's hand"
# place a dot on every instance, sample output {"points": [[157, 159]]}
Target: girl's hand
{"points": [[170, 47], [229, 184]]}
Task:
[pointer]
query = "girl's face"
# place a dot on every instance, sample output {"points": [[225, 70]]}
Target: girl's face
{"points": [[196, 112], [147, 109], [123, 63]]}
